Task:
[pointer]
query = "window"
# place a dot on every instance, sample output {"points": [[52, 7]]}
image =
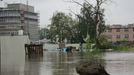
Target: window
{"points": [[126, 36], [133, 29], [118, 36], [117, 30], [126, 30]]}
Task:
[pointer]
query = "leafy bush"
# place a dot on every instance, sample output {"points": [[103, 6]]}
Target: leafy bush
{"points": [[121, 48], [104, 44]]}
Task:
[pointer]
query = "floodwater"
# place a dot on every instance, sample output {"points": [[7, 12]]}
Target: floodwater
{"points": [[55, 62]]}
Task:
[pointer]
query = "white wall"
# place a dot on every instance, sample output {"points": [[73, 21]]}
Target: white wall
{"points": [[55, 46], [12, 54]]}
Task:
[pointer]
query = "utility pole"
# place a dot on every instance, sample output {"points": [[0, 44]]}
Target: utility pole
{"points": [[27, 20]]}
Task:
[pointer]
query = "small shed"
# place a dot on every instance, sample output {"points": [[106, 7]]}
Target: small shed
{"points": [[34, 49]]}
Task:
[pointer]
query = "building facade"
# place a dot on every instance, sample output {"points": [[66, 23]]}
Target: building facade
{"points": [[16, 17], [115, 33]]}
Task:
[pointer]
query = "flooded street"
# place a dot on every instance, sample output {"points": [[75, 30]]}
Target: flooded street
{"points": [[61, 63], [120, 63]]}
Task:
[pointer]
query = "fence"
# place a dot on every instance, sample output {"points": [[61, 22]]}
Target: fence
{"points": [[34, 49]]}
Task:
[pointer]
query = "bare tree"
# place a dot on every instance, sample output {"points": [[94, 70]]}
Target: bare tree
{"points": [[97, 16]]}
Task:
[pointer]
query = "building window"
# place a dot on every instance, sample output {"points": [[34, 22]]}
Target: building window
{"points": [[126, 30], [109, 30], [118, 36], [126, 36], [117, 30]]}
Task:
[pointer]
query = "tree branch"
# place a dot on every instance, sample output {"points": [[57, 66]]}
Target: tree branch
{"points": [[89, 3]]}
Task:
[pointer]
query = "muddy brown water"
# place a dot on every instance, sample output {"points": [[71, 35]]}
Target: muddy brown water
{"points": [[61, 63]]}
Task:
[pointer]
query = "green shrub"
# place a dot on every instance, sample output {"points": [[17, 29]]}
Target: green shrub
{"points": [[106, 46], [120, 48]]}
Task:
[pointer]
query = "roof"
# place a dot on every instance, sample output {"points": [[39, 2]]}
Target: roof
{"points": [[121, 26]]}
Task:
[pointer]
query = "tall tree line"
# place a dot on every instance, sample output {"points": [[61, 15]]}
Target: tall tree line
{"points": [[89, 23]]}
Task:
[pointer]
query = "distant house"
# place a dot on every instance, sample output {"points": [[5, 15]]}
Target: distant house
{"points": [[116, 33]]}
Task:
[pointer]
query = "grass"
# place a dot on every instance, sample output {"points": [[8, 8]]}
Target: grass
{"points": [[122, 48]]}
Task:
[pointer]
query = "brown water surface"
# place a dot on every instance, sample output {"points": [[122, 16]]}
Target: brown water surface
{"points": [[62, 63]]}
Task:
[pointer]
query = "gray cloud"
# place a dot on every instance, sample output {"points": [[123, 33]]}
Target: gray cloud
{"points": [[118, 12]]}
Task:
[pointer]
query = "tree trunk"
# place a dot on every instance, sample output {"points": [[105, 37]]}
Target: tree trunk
{"points": [[98, 22]]}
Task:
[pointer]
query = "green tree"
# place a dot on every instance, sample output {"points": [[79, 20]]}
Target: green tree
{"points": [[91, 20], [44, 33], [60, 26]]}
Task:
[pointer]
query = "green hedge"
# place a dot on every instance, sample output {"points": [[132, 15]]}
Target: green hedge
{"points": [[122, 48]]}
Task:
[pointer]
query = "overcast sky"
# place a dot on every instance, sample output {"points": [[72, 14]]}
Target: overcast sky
{"points": [[117, 12]]}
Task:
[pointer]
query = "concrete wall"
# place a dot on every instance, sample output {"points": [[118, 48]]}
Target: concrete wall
{"points": [[12, 54]]}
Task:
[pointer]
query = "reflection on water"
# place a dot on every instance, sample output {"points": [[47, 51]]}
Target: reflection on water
{"points": [[61, 63], [58, 63], [12, 62], [32, 66], [120, 63]]}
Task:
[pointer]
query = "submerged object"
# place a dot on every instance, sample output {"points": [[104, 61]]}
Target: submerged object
{"points": [[89, 68]]}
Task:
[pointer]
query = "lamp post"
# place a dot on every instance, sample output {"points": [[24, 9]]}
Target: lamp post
{"points": [[27, 20]]}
